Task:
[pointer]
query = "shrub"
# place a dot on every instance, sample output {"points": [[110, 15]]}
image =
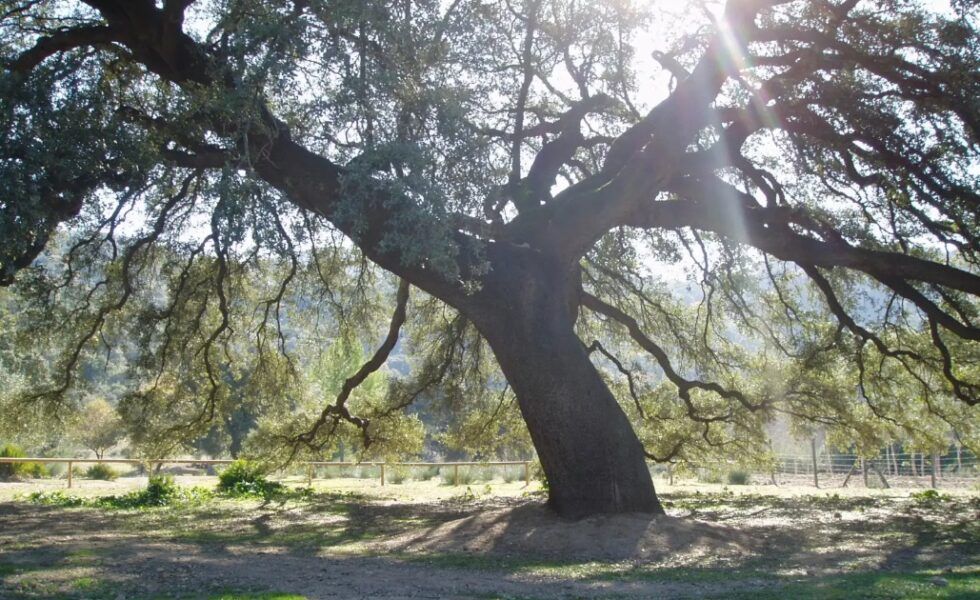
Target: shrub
{"points": [[427, 473], [738, 478], [24, 470], [512, 473], [103, 472], [929, 498], [246, 478], [466, 476], [240, 472], [161, 490], [398, 475], [709, 476]]}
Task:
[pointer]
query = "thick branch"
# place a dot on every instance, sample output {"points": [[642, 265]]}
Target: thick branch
{"points": [[338, 410], [684, 386], [61, 41]]}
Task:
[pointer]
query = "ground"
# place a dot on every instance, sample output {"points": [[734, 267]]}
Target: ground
{"points": [[351, 538]]}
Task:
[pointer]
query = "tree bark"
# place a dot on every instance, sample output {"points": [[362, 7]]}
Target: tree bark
{"points": [[590, 454]]}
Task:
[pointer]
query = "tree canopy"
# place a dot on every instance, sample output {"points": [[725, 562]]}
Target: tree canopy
{"points": [[653, 226]]}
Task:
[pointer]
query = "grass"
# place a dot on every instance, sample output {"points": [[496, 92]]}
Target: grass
{"points": [[587, 571], [85, 583], [874, 586], [255, 596], [869, 585]]}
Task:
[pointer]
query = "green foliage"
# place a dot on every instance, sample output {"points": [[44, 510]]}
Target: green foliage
{"points": [[398, 475], [427, 473], [930, 498], [20, 469], [98, 427], [247, 478], [160, 491], [56, 498], [101, 471]]}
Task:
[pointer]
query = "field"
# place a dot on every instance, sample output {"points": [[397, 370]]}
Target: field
{"points": [[350, 538]]}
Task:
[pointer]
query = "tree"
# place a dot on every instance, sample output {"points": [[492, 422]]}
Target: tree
{"points": [[810, 163], [99, 427]]}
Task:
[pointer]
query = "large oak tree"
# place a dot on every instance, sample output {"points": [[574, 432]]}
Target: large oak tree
{"points": [[530, 164]]}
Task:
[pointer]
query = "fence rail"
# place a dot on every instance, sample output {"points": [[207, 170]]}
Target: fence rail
{"points": [[819, 468], [887, 466], [310, 465]]}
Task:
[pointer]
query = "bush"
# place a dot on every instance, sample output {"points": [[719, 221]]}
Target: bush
{"points": [[103, 472], [240, 472], [738, 478], [467, 475], [161, 490], [398, 475], [929, 498], [20, 470], [246, 478], [427, 473], [512, 473]]}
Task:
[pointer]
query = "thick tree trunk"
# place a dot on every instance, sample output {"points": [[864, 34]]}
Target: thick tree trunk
{"points": [[588, 449]]}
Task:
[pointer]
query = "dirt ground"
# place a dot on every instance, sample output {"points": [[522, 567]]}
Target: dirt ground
{"points": [[354, 539]]}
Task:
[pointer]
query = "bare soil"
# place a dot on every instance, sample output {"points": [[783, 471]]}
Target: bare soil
{"points": [[533, 530]]}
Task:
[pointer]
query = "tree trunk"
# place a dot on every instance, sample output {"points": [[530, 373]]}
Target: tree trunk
{"points": [[590, 454]]}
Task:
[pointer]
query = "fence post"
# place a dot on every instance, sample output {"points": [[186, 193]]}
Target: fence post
{"points": [[309, 475], [813, 455], [935, 468], [382, 474], [456, 474], [70, 467], [527, 473], [864, 471]]}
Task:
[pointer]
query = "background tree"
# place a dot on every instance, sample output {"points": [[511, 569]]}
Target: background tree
{"points": [[808, 165], [98, 427]]}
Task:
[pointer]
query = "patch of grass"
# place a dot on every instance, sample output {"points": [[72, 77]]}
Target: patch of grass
{"points": [[8, 569], [585, 570], [873, 586], [85, 583], [255, 596]]}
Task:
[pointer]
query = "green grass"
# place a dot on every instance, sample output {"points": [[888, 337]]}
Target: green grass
{"points": [[873, 586], [85, 583]]}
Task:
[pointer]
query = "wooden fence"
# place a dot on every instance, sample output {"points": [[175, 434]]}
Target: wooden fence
{"points": [[311, 466]]}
